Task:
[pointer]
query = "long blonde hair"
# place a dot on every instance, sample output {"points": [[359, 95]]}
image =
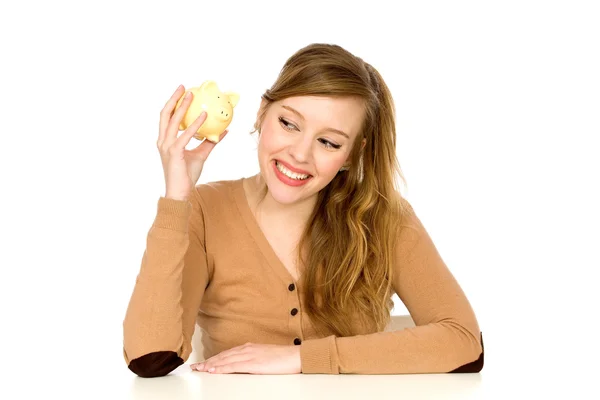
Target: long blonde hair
{"points": [[352, 229]]}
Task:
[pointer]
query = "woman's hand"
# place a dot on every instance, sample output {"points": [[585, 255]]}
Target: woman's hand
{"points": [[252, 358], [182, 167]]}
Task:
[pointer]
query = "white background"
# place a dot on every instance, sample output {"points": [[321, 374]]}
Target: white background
{"points": [[498, 115]]}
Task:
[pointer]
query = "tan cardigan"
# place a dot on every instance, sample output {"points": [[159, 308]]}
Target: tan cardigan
{"points": [[207, 261]]}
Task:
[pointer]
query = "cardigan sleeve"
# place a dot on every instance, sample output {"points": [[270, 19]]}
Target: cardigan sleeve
{"points": [[446, 336], [160, 318]]}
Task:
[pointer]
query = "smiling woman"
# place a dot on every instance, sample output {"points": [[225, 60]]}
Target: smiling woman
{"points": [[312, 136], [329, 109], [293, 270]]}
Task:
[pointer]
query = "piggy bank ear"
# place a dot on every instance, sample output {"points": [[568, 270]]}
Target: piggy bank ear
{"points": [[233, 98], [209, 86]]}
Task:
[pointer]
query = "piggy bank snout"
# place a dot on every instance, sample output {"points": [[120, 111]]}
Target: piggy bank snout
{"points": [[222, 113]]}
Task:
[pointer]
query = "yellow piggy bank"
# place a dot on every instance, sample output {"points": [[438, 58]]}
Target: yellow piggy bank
{"points": [[218, 106]]}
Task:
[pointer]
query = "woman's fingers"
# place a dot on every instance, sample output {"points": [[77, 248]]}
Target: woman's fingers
{"points": [[202, 151], [219, 362], [175, 121], [223, 135], [236, 367], [191, 130], [233, 351], [166, 112], [169, 134]]}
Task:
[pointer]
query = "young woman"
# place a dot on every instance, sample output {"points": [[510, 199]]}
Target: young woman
{"points": [[292, 270]]}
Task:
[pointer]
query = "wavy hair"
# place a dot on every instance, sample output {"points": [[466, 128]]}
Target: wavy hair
{"points": [[352, 229]]}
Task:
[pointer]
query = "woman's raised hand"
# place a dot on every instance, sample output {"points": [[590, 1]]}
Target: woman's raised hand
{"points": [[182, 168]]}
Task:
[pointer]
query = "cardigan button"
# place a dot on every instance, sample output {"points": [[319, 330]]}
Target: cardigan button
{"points": [[291, 287], [294, 311], [297, 341]]}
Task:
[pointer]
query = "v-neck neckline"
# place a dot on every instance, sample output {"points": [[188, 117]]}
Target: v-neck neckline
{"points": [[258, 235]]}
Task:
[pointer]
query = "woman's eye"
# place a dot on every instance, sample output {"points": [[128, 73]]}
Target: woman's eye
{"points": [[330, 145], [285, 124], [290, 127]]}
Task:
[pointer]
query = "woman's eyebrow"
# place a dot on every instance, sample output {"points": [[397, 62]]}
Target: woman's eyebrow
{"points": [[326, 129]]}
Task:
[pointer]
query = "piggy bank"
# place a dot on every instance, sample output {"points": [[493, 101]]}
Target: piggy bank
{"points": [[218, 106]]}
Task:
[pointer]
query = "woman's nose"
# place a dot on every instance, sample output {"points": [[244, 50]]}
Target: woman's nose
{"points": [[301, 149]]}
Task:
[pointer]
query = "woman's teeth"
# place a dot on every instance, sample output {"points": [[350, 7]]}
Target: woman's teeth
{"points": [[289, 173]]}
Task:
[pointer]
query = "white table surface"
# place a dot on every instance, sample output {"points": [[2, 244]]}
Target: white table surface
{"points": [[88, 382], [519, 364], [187, 384]]}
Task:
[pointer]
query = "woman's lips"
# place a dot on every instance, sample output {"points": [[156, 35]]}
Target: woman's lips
{"points": [[296, 170], [287, 180]]}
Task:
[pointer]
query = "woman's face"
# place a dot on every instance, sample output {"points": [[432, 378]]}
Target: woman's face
{"points": [[308, 135]]}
